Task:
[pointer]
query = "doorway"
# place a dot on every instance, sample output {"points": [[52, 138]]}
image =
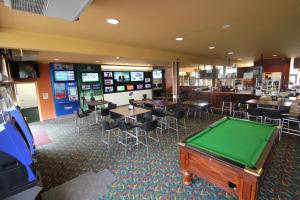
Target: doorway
{"points": [[27, 99]]}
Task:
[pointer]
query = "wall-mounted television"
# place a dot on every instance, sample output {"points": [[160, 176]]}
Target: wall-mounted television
{"points": [[157, 74], [85, 87], [120, 88], [108, 89], [88, 77], [64, 75], [108, 81], [137, 76], [96, 86], [147, 86], [107, 74], [121, 77], [129, 87], [140, 86], [24, 69]]}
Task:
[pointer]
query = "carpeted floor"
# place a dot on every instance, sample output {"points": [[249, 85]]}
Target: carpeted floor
{"points": [[159, 176]]}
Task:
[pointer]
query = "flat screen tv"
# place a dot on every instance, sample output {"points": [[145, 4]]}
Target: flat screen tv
{"points": [[137, 76], [62, 76], [120, 88], [140, 86], [108, 81], [107, 74], [121, 77], [88, 77], [157, 74], [147, 86], [25, 69], [129, 87], [96, 86], [108, 89]]}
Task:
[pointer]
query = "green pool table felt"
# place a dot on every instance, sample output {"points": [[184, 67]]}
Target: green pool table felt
{"points": [[238, 140]]}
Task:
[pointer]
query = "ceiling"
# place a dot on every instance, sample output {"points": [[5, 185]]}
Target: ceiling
{"points": [[257, 26]]}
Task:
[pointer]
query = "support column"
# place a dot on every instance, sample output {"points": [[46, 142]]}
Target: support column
{"points": [[175, 80]]}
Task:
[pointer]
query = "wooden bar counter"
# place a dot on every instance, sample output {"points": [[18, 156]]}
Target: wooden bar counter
{"points": [[215, 98]]}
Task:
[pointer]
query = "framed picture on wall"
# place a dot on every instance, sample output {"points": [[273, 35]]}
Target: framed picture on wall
{"points": [[107, 74], [147, 80]]}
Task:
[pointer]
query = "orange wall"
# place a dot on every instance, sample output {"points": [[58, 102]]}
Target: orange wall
{"points": [[44, 86]]}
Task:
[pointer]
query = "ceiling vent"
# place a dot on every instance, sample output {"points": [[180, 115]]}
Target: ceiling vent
{"points": [[62, 9]]}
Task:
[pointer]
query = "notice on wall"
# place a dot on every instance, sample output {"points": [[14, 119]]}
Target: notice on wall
{"points": [[45, 95], [60, 90]]}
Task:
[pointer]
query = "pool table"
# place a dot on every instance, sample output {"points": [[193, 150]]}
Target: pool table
{"points": [[231, 153]]}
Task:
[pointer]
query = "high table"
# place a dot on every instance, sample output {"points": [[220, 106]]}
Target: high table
{"points": [[157, 103], [274, 104], [196, 103], [97, 103]]}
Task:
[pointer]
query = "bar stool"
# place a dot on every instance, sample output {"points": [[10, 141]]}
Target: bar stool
{"points": [[226, 105], [146, 117], [107, 128], [289, 120], [147, 128], [80, 121], [161, 118], [128, 131], [273, 117], [177, 117], [256, 113], [241, 109]]}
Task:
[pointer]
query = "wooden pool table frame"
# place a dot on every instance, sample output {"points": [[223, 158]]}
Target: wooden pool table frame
{"points": [[233, 177]]}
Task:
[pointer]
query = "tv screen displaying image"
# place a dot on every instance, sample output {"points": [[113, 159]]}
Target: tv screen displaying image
{"points": [[61, 76], [108, 81], [28, 70], [85, 87], [139, 86], [107, 74], [129, 87], [96, 86], [121, 88], [122, 76], [147, 86], [157, 74], [137, 76], [147, 80], [90, 77], [109, 89]]}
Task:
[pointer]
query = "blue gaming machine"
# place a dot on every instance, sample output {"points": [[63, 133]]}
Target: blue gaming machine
{"points": [[64, 88]]}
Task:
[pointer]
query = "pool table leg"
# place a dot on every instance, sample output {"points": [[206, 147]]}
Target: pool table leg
{"points": [[186, 178]]}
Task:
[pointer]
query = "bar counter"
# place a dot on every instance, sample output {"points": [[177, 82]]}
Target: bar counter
{"points": [[213, 97]]}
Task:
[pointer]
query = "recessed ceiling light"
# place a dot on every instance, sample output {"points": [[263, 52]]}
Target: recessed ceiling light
{"points": [[118, 57], [212, 47], [226, 26], [112, 21], [239, 59], [55, 59], [274, 55], [97, 61], [179, 38], [230, 53]]}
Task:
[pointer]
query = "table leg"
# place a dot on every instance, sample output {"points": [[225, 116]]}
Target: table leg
{"points": [[186, 178]]}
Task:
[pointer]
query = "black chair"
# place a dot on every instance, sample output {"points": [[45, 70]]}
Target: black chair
{"points": [[178, 121], [147, 128], [256, 113], [104, 113], [227, 105], [240, 109], [148, 106], [161, 117], [116, 116], [291, 124], [273, 116], [80, 121], [146, 117], [127, 131], [131, 102], [108, 128], [112, 105]]}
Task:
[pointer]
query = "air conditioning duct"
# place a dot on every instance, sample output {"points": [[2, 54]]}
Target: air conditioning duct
{"points": [[69, 10]]}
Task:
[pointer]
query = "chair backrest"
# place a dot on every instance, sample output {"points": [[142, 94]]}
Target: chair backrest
{"points": [[227, 99], [131, 101], [148, 106], [148, 116], [255, 112], [112, 106], [158, 112], [122, 125], [180, 114], [150, 126], [115, 115], [104, 111], [105, 125], [273, 114]]}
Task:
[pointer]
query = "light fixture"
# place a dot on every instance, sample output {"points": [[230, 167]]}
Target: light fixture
{"points": [[97, 61], [112, 21], [230, 53], [212, 47], [226, 26], [179, 38], [118, 57], [239, 59], [55, 59], [274, 55]]}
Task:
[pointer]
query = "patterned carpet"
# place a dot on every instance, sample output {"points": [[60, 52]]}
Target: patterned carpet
{"points": [[156, 177]]}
